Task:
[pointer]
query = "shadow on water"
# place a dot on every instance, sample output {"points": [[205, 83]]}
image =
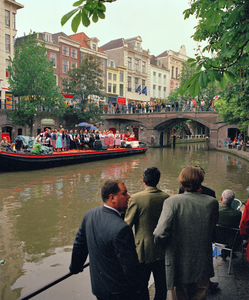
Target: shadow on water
{"points": [[41, 211]]}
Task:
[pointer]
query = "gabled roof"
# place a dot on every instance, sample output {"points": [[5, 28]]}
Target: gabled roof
{"points": [[153, 62], [113, 44], [56, 36], [165, 53], [81, 38]]}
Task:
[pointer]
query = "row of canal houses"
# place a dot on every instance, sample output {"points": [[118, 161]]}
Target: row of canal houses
{"points": [[130, 73]]}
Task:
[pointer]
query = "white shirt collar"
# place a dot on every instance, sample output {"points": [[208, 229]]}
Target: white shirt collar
{"points": [[107, 206]]}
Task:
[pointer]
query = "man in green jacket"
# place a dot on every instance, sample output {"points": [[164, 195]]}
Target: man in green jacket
{"points": [[228, 216], [36, 149], [185, 230], [143, 212]]}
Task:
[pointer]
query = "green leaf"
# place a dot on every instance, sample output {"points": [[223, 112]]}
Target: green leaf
{"points": [[223, 82], [67, 16], [194, 88], [77, 3], [203, 80], [85, 20], [100, 14], [231, 76], [76, 22], [95, 17], [190, 60], [247, 47]]}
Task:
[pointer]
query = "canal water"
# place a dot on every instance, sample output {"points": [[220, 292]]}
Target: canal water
{"points": [[41, 211]]}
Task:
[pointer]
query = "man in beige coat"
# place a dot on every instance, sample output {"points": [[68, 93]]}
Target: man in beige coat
{"points": [[143, 212], [185, 230]]}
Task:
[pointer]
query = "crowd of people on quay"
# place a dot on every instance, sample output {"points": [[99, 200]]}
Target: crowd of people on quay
{"points": [[237, 142], [168, 236], [64, 139], [153, 106]]}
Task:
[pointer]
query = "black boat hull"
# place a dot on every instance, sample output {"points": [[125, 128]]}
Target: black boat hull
{"points": [[27, 162]]}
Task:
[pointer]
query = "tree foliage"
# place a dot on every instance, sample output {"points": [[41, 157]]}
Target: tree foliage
{"points": [[32, 81], [84, 11], [85, 83], [207, 93], [224, 25], [233, 104]]}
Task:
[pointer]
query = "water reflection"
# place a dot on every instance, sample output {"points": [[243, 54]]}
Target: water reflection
{"points": [[40, 211]]}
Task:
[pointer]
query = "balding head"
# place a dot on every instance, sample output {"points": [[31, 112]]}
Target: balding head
{"points": [[227, 197]]}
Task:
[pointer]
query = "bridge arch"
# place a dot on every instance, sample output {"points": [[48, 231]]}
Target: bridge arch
{"points": [[154, 123]]}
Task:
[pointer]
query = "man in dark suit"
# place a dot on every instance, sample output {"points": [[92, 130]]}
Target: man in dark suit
{"points": [[109, 242], [143, 212]]}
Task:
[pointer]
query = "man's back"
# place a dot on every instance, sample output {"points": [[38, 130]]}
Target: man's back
{"points": [[143, 212], [111, 249], [185, 228], [228, 216]]}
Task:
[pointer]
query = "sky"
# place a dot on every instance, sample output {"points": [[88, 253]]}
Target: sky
{"points": [[160, 23]]}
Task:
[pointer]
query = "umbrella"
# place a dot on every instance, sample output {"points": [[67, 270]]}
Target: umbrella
{"points": [[91, 128], [83, 124]]}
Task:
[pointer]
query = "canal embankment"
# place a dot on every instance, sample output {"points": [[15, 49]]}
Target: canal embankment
{"points": [[236, 152]]}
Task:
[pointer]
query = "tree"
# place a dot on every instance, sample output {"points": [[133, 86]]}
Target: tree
{"points": [[32, 81], [84, 83], [224, 25], [84, 11], [205, 93]]}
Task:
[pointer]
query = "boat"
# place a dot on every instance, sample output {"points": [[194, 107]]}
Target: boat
{"points": [[26, 161]]}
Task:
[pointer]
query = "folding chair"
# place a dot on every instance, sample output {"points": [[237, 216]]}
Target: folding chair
{"points": [[228, 239], [236, 204]]}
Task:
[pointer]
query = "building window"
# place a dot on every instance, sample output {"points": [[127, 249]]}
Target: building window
{"points": [[136, 83], [164, 79], [94, 47], [7, 18], [159, 91], [7, 42], [159, 62], [121, 76], [137, 65], [154, 76], [7, 63], [143, 84], [143, 66], [154, 90], [138, 46], [53, 59], [14, 20], [47, 37], [112, 64], [65, 66], [172, 72], [114, 88], [109, 76], [65, 50], [121, 90], [129, 63], [129, 84], [114, 77], [164, 92], [73, 53], [176, 73], [159, 78], [73, 65], [109, 87]]}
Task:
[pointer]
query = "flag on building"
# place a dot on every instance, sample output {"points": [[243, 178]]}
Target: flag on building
{"points": [[145, 90], [139, 90]]}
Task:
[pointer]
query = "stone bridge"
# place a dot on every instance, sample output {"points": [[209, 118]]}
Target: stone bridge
{"points": [[160, 125]]}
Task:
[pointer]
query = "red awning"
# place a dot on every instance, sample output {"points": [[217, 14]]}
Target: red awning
{"points": [[67, 95]]}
